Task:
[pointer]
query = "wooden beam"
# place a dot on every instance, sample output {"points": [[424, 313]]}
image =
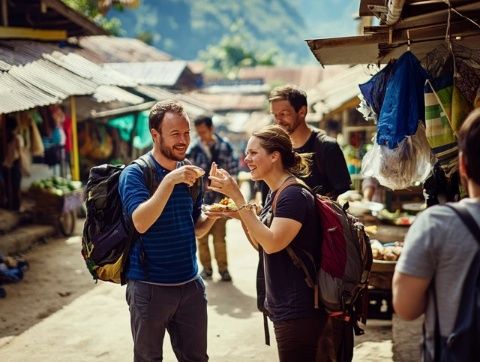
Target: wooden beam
{"points": [[4, 13], [124, 110], [435, 17], [363, 8], [75, 17], [29, 33], [74, 161]]}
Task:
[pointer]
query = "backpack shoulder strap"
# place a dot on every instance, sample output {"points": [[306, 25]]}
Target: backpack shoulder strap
{"points": [[148, 168], [292, 180], [467, 219]]}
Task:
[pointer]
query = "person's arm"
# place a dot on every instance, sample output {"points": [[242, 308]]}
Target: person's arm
{"points": [[273, 239], [150, 210], [369, 186], [409, 295], [203, 225], [417, 265], [250, 239]]}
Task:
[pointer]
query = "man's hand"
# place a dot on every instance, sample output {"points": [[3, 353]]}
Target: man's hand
{"points": [[187, 174]]}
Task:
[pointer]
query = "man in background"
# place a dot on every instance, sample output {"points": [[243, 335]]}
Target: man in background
{"points": [[210, 147], [329, 177]]}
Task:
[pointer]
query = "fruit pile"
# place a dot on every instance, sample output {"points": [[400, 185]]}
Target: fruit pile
{"points": [[55, 185]]}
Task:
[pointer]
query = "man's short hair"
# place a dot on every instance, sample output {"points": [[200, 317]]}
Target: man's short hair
{"points": [[294, 95], [206, 120], [157, 113], [469, 144]]}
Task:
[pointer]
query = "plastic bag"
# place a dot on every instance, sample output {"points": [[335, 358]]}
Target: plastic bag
{"points": [[367, 112], [402, 166]]}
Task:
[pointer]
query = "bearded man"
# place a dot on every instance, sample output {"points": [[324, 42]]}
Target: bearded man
{"points": [[164, 290]]}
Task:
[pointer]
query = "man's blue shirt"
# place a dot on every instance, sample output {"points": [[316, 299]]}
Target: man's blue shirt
{"points": [[166, 253]]}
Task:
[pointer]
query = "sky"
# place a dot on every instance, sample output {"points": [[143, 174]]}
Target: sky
{"points": [[329, 18]]}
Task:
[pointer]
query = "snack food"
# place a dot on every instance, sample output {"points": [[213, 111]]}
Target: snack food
{"points": [[387, 252], [199, 171], [226, 204]]}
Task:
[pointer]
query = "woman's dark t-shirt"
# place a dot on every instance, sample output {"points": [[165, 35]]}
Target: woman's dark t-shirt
{"points": [[288, 295]]}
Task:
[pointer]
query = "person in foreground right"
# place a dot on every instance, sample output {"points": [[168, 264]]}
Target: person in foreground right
{"points": [[439, 251]]}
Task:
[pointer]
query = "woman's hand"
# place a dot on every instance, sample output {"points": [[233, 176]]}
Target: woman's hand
{"points": [[225, 184], [223, 214]]}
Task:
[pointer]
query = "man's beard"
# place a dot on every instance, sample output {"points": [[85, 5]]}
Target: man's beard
{"points": [[169, 153], [290, 128]]}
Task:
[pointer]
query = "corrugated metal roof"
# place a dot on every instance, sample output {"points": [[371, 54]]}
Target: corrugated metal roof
{"points": [[153, 73], [4, 66], [333, 92], [231, 102], [53, 79], [192, 106], [21, 52], [303, 76], [100, 74], [110, 49], [108, 93], [19, 96], [247, 122], [52, 70]]}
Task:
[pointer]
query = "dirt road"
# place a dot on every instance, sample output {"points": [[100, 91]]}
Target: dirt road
{"points": [[58, 278]]}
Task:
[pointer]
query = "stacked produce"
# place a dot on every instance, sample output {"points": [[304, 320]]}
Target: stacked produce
{"points": [[56, 185], [386, 252]]}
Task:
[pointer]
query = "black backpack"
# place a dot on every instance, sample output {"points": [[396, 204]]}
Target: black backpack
{"points": [[463, 344], [107, 234]]}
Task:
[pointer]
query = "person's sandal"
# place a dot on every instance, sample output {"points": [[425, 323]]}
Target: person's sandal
{"points": [[225, 276], [206, 274]]}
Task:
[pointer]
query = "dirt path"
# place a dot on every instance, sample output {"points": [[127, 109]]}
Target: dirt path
{"points": [[56, 277]]}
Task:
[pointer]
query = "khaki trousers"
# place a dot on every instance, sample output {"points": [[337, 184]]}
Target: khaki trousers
{"points": [[218, 231]]}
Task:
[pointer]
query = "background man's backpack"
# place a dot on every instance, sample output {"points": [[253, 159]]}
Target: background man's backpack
{"points": [[341, 284], [108, 234], [462, 345]]}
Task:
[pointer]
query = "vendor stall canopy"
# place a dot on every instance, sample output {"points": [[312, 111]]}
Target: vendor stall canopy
{"points": [[416, 25], [45, 15]]}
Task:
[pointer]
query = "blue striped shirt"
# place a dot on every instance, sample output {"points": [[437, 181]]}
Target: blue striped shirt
{"points": [[169, 245]]}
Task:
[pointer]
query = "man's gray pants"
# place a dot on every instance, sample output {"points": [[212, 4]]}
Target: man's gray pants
{"points": [[181, 310]]}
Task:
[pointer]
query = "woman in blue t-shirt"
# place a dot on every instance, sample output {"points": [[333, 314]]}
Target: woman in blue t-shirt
{"points": [[292, 223]]}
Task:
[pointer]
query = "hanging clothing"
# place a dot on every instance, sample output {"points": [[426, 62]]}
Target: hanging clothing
{"points": [[403, 106]]}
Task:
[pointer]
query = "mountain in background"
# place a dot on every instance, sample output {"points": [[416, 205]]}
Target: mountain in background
{"points": [[184, 28]]}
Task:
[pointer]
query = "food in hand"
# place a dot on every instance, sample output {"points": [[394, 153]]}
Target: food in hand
{"points": [[199, 171], [213, 169], [226, 204]]}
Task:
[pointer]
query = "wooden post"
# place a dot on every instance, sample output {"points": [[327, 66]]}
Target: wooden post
{"points": [[4, 13], [74, 155]]}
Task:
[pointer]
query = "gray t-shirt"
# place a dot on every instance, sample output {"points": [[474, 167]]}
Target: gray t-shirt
{"points": [[439, 246]]}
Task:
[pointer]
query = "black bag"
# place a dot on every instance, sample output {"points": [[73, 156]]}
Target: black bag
{"points": [[107, 234]]}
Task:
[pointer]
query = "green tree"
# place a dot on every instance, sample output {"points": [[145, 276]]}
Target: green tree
{"points": [[233, 52], [92, 10]]}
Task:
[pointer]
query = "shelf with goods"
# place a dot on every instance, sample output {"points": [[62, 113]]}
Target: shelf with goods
{"points": [[357, 135]]}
